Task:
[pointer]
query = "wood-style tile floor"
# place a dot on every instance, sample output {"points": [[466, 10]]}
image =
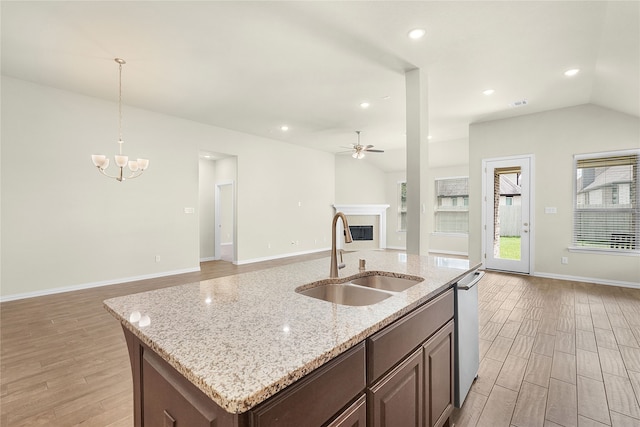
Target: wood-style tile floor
{"points": [[553, 353]]}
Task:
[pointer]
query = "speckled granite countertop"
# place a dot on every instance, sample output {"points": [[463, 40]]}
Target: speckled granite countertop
{"points": [[241, 339]]}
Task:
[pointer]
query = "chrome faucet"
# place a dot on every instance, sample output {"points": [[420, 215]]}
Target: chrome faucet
{"points": [[347, 239]]}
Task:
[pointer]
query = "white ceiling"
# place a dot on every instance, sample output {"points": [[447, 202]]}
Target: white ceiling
{"points": [[253, 66]]}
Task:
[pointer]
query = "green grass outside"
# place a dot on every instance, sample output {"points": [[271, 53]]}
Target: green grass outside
{"points": [[510, 247]]}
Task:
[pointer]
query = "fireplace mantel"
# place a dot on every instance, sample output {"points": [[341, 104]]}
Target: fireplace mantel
{"points": [[378, 210]]}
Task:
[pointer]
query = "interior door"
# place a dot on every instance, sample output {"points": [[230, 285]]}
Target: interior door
{"points": [[225, 229], [507, 214]]}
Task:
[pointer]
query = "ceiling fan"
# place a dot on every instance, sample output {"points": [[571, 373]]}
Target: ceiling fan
{"points": [[359, 150]]}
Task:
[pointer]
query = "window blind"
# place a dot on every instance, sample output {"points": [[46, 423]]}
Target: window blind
{"points": [[606, 210]]}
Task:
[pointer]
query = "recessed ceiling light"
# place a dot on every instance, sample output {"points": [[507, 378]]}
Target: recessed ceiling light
{"points": [[416, 33], [365, 104], [488, 92], [572, 72], [429, 136], [284, 128]]}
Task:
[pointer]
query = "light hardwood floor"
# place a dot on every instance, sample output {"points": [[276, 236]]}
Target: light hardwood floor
{"points": [[553, 353]]}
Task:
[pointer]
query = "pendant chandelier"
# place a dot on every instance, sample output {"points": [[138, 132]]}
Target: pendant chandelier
{"points": [[136, 167]]}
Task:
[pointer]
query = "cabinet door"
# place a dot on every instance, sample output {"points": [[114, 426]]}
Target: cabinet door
{"points": [[396, 400], [354, 416], [438, 376]]}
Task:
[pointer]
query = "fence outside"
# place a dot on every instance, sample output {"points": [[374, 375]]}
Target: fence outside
{"points": [[510, 220]]}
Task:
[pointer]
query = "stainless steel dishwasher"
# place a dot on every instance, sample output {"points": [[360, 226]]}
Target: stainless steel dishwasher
{"points": [[467, 342]]}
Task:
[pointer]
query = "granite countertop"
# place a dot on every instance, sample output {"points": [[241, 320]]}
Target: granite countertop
{"points": [[241, 339]]}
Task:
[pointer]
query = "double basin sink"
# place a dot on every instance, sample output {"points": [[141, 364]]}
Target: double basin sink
{"points": [[363, 290]]}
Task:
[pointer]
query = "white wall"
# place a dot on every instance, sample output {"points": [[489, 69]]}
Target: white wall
{"points": [[553, 137], [65, 226], [358, 182]]}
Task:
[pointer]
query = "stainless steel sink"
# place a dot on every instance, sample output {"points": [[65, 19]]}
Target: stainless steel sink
{"points": [[346, 294], [387, 283]]}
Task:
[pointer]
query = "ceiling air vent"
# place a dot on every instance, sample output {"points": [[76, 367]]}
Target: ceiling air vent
{"points": [[519, 103]]}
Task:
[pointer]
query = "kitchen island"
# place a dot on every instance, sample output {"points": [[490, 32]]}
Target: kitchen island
{"points": [[232, 349]]}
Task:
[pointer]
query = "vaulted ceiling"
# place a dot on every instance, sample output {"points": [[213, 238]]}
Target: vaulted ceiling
{"points": [[255, 66]]}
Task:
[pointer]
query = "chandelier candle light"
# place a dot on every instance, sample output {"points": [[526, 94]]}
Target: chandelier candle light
{"points": [[102, 162]]}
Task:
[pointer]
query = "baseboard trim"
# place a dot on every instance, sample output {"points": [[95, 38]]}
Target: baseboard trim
{"points": [[207, 259], [63, 289], [438, 251], [397, 248], [271, 258], [597, 281]]}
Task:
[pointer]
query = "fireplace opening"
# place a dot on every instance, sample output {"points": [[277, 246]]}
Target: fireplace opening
{"points": [[361, 232]]}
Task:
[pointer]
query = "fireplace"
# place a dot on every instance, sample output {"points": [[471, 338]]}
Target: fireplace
{"points": [[368, 226], [361, 232]]}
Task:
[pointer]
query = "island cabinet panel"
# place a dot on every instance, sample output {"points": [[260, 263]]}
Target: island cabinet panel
{"points": [[438, 376], [396, 400], [170, 400], [317, 398], [389, 346], [354, 416]]}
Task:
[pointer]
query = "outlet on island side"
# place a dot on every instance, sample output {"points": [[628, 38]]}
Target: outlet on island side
{"points": [[564, 260]]}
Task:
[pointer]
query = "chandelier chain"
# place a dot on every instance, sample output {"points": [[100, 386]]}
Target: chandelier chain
{"points": [[120, 107]]}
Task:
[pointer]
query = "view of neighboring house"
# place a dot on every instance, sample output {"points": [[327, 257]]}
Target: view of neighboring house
{"points": [[452, 206], [604, 200]]}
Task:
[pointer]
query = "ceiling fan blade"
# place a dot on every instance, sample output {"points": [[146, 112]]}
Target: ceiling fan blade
{"points": [[366, 147], [375, 151]]}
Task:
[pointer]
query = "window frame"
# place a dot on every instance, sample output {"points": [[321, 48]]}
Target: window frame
{"points": [[635, 211], [399, 228], [460, 207]]}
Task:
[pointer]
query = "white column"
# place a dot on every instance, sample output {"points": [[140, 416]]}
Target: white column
{"points": [[417, 160]]}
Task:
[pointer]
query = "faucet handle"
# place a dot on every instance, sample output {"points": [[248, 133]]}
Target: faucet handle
{"points": [[361, 264], [341, 252]]}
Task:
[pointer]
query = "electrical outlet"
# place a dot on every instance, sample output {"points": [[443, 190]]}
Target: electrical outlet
{"points": [[157, 258], [564, 260]]}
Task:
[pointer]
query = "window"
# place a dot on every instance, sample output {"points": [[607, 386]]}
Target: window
{"points": [[402, 206], [452, 205], [606, 211]]}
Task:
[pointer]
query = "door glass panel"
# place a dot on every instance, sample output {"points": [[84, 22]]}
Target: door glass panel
{"points": [[507, 218]]}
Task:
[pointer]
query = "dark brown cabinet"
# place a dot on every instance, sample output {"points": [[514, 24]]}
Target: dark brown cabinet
{"points": [[354, 416], [396, 400], [417, 391], [316, 398], [438, 376], [400, 376]]}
